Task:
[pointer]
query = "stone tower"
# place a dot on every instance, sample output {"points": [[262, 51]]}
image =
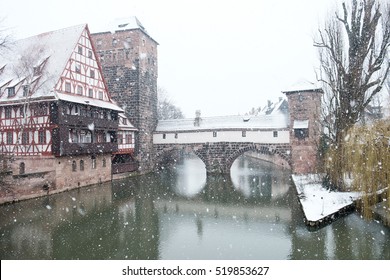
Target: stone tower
{"points": [[304, 104], [128, 55]]}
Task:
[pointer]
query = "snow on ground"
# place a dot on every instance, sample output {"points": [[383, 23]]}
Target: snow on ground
{"points": [[318, 202]]}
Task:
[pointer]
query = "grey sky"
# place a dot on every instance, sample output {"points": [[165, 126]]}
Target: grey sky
{"points": [[221, 57]]}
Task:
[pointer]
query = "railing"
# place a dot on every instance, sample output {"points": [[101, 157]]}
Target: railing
{"points": [[86, 121], [87, 148]]}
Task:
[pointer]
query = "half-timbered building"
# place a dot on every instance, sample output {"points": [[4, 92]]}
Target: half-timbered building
{"points": [[123, 160], [59, 125]]}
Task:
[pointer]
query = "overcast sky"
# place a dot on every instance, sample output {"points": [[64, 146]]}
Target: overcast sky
{"points": [[221, 57]]}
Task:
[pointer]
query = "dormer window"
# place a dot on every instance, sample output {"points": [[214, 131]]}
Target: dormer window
{"points": [[11, 91], [26, 89]]}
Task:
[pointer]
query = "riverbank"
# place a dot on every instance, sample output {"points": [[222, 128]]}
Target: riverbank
{"points": [[321, 206]]}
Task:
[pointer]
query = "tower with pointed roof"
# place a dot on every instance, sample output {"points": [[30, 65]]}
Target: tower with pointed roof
{"points": [[128, 55]]}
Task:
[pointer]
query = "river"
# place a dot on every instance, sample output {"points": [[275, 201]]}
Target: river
{"points": [[180, 213]]}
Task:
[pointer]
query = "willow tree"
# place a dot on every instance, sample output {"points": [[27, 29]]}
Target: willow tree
{"points": [[353, 48], [368, 151]]}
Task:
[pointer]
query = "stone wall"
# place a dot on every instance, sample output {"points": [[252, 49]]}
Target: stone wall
{"points": [[305, 105], [49, 175], [129, 61]]}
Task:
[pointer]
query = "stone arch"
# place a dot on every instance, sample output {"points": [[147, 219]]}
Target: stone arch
{"points": [[272, 153], [166, 151]]}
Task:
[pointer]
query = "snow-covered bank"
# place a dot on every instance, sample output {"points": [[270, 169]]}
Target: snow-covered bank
{"points": [[319, 204]]}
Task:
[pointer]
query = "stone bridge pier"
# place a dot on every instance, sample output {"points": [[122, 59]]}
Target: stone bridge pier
{"points": [[218, 157]]}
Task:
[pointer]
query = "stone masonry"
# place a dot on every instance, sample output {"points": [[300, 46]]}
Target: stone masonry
{"points": [[129, 62], [219, 157], [304, 105]]}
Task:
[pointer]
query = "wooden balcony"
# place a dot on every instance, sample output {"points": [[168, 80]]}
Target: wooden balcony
{"points": [[81, 121], [118, 168], [69, 149]]}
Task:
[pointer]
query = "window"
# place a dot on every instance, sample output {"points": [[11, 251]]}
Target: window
{"points": [[8, 113], [89, 54], [214, 134], [81, 165], [25, 138], [275, 134], [114, 42], [11, 91], [301, 133], [243, 133], [10, 137], [90, 92], [77, 68], [164, 136], [176, 135], [67, 87], [37, 70], [22, 168], [40, 110], [74, 166], [93, 158], [80, 49], [26, 89], [41, 137], [129, 138], [124, 121], [99, 42], [101, 95], [92, 73], [21, 110], [104, 162], [79, 90], [99, 136], [85, 136], [73, 137], [300, 127]]}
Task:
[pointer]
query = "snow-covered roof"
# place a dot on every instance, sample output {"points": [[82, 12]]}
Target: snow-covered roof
{"points": [[51, 52], [55, 46], [80, 99], [301, 124], [119, 24], [301, 86], [280, 121], [127, 125]]}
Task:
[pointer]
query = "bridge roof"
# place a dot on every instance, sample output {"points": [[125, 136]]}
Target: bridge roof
{"points": [[278, 121]]}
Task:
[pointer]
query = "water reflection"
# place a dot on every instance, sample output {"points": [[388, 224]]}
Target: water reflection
{"points": [[252, 214], [191, 176]]}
